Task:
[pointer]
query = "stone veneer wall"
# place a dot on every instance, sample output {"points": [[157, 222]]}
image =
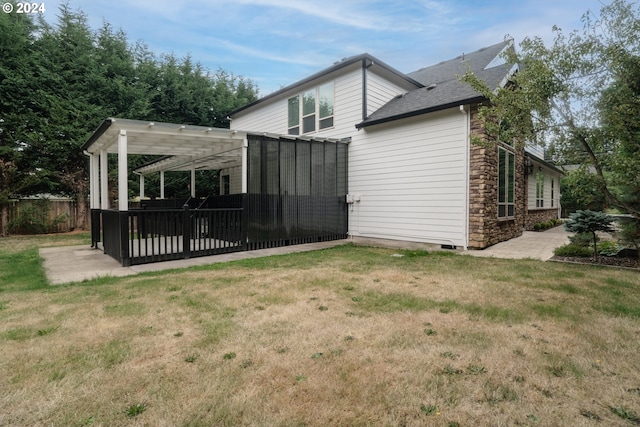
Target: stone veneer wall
{"points": [[535, 216], [485, 229]]}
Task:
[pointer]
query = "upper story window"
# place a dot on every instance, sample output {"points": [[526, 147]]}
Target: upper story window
{"points": [[506, 183], [316, 112], [325, 105], [294, 115], [309, 111]]}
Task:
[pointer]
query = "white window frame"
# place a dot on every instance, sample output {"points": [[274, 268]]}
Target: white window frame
{"points": [[293, 127], [540, 189], [311, 121], [507, 208]]}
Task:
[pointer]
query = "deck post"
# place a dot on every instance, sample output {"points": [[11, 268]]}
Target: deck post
{"points": [[123, 219], [193, 180], [245, 148], [94, 192], [123, 183], [141, 188], [123, 197], [162, 184]]}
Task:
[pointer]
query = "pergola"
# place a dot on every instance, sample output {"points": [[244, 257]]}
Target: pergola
{"points": [[293, 190], [184, 147]]}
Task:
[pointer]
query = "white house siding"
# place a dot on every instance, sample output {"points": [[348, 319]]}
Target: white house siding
{"points": [[235, 179], [271, 117], [411, 179], [548, 176], [380, 91]]}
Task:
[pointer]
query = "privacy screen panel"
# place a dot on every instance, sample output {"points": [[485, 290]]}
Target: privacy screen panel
{"points": [[297, 190]]}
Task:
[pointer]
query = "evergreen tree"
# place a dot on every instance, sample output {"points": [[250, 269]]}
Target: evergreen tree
{"points": [[59, 82], [18, 120]]}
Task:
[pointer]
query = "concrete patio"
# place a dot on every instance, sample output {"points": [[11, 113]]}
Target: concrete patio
{"points": [[78, 263]]}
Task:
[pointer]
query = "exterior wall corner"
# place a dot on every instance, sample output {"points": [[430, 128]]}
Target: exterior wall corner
{"points": [[485, 228]]}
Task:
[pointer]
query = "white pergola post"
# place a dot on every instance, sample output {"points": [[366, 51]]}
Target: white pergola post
{"points": [[123, 190], [245, 149], [141, 187], [94, 181], [162, 184], [193, 180], [104, 180]]}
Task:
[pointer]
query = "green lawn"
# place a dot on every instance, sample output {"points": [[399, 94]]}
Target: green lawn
{"points": [[345, 336]]}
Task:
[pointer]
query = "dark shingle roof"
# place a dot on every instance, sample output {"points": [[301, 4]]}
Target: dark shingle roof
{"points": [[447, 70], [442, 88]]}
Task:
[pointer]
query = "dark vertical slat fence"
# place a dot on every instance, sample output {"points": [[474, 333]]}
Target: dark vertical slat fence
{"points": [[297, 191]]}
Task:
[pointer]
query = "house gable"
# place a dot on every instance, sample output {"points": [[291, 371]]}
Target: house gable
{"points": [[360, 85]]}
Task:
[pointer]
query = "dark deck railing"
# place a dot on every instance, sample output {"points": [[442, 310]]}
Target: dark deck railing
{"points": [[240, 222], [246, 222], [161, 235]]}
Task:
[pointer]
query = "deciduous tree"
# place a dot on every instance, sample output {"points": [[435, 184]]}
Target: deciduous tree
{"points": [[581, 92]]}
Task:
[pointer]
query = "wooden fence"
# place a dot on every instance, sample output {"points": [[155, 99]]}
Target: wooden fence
{"points": [[37, 216]]}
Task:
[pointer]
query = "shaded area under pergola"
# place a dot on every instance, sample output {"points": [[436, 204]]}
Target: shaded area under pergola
{"points": [[293, 190]]}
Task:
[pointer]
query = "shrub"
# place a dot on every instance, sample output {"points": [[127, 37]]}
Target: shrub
{"points": [[630, 232], [545, 225], [573, 250], [589, 222], [582, 239], [609, 248]]}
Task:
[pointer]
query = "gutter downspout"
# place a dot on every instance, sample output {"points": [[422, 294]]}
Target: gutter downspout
{"points": [[365, 66], [467, 126]]}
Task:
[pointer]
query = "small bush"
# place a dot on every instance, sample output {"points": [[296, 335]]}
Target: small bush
{"points": [[545, 225], [572, 250], [582, 239], [609, 248]]}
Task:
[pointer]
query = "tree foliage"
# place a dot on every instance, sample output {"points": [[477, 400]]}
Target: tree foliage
{"points": [[59, 82], [580, 189], [581, 94], [586, 221]]}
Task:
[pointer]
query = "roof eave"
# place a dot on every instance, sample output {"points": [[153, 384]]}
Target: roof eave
{"points": [[98, 133], [441, 107], [544, 162]]}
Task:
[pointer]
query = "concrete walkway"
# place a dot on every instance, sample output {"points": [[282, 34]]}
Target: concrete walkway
{"points": [[532, 244], [77, 263]]}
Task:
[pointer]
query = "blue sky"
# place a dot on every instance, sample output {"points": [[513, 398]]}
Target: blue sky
{"points": [[277, 42]]}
